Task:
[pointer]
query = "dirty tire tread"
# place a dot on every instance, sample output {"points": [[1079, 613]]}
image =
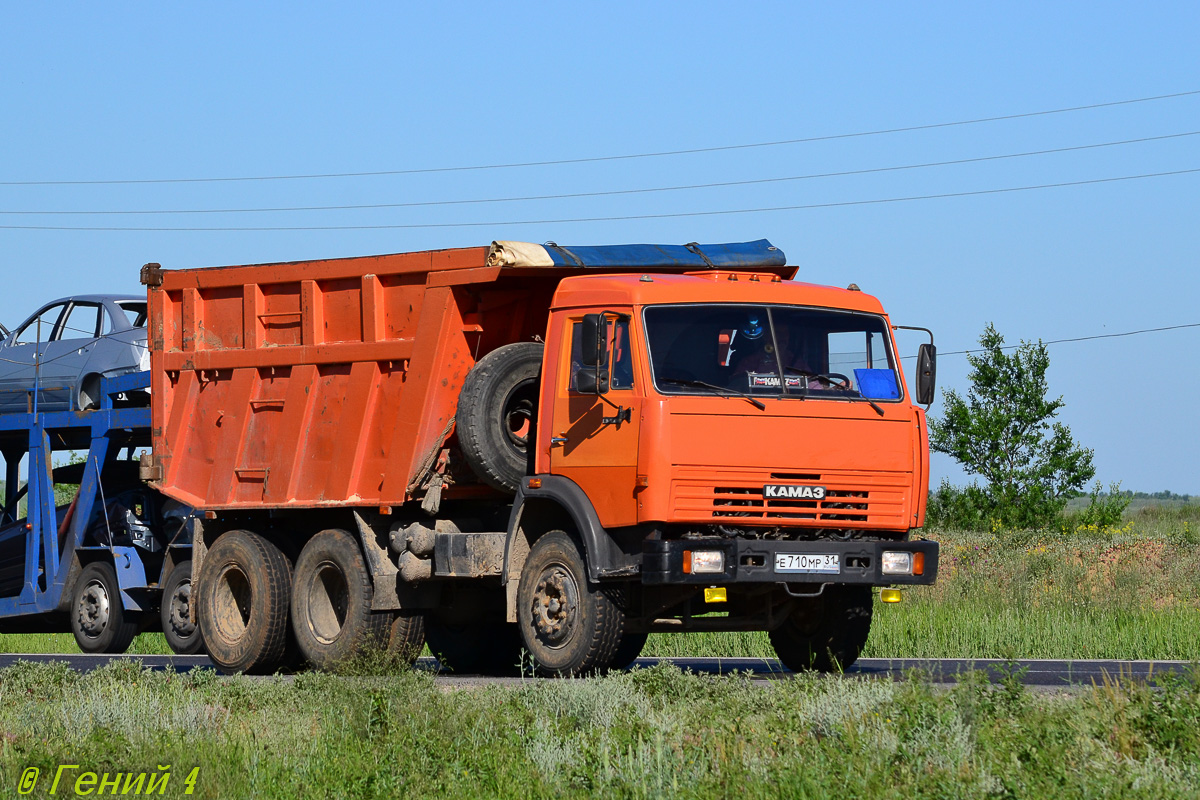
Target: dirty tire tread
{"points": [[262, 560], [362, 628], [601, 638], [828, 635], [179, 645], [478, 419], [122, 626], [406, 636]]}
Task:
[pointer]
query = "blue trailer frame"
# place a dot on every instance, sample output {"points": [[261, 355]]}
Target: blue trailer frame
{"points": [[47, 571]]}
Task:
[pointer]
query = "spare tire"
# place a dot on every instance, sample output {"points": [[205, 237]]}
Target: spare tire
{"points": [[496, 412]]}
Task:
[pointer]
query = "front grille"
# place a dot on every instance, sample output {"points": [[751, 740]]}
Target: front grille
{"points": [[735, 501], [853, 500]]}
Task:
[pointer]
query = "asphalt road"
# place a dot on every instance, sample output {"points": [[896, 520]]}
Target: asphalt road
{"points": [[1033, 672]]}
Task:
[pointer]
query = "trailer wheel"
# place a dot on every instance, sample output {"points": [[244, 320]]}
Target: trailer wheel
{"points": [[98, 620], [242, 603], [568, 625], [183, 635], [496, 410], [474, 648], [628, 650], [825, 633], [331, 601], [407, 636]]}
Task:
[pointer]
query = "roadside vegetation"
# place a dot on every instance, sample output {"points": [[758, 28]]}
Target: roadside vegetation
{"points": [[649, 733]]}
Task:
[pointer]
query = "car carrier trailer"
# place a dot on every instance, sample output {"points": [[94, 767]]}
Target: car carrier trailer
{"points": [[99, 566], [539, 448]]}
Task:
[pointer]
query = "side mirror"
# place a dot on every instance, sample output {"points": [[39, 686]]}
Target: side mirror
{"points": [[926, 373], [595, 340], [590, 380]]}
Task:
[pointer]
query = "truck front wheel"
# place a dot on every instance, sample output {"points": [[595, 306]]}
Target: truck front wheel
{"points": [[242, 603], [568, 625], [331, 601], [825, 633]]}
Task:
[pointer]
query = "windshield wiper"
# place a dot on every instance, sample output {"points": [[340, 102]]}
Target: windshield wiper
{"points": [[702, 385], [836, 386]]}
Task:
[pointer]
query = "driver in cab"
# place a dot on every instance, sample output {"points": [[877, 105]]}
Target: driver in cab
{"points": [[756, 364]]}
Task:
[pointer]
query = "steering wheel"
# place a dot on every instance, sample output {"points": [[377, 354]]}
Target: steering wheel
{"points": [[830, 376]]}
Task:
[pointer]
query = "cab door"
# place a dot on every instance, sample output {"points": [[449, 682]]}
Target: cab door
{"points": [[595, 436]]}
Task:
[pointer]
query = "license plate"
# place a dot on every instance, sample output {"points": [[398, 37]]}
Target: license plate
{"points": [[829, 563]]}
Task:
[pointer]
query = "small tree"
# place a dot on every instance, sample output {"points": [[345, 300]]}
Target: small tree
{"points": [[1003, 431]]}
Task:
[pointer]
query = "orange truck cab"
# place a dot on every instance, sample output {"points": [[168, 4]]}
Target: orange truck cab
{"points": [[525, 447]]}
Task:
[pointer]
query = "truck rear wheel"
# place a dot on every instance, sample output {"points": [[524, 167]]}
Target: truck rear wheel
{"points": [[182, 635], [407, 636], [242, 603], [568, 625], [825, 633], [331, 601], [98, 619], [495, 414]]}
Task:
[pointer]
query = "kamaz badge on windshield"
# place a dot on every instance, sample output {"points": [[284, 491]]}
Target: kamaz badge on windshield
{"points": [[775, 491], [770, 380]]}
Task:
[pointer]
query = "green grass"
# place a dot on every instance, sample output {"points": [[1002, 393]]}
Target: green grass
{"points": [[646, 734], [143, 645]]}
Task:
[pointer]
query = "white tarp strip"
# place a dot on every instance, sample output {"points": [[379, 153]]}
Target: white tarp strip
{"points": [[518, 254]]}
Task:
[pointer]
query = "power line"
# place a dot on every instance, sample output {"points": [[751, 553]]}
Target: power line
{"points": [[1073, 339], [621, 157], [624, 218], [575, 195]]}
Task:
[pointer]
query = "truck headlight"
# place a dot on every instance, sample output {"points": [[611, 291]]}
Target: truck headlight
{"points": [[703, 561], [896, 562]]}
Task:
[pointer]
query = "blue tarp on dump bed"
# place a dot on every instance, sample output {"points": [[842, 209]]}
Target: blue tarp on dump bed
{"points": [[737, 255]]}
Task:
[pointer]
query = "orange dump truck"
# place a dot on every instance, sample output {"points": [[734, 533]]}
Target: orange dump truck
{"points": [[539, 448]]}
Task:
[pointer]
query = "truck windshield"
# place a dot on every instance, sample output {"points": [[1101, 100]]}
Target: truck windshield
{"points": [[771, 350]]}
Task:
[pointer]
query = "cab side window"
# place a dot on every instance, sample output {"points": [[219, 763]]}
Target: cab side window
{"points": [[620, 355]]}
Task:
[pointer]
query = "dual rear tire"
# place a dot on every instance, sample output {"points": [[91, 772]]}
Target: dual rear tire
{"points": [[258, 613], [331, 602], [243, 593]]}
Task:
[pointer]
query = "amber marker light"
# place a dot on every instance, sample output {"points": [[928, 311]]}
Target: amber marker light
{"points": [[687, 562], [918, 563], [534, 483]]}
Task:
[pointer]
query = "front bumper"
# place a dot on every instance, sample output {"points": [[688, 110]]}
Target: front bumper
{"points": [[753, 561]]}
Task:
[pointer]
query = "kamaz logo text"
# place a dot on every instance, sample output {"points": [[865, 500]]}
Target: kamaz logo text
{"points": [[777, 491]]}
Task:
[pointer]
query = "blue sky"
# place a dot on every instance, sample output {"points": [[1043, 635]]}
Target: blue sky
{"points": [[92, 92]]}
